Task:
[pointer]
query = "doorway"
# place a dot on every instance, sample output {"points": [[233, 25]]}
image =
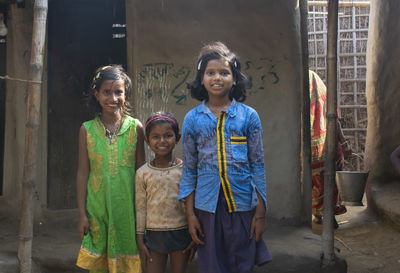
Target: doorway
{"points": [[3, 70], [82, 35]]}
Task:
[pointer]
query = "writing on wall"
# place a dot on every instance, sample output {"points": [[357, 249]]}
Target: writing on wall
{"points": [[260, 73], [163, 80]]}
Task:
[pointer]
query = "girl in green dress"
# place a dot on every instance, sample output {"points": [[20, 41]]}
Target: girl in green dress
{"points": [[110, 150]]}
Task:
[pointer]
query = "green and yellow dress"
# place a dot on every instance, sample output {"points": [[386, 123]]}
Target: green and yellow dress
{"points": [[110, 243]]}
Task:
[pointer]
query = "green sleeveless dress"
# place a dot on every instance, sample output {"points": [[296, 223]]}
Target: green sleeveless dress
{"points": [[111, 243]]}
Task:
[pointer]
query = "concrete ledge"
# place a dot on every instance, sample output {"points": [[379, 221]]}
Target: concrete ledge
{"points": [[386, 200]]}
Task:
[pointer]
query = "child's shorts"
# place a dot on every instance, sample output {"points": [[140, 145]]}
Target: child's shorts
{"points": [[167, 241]]}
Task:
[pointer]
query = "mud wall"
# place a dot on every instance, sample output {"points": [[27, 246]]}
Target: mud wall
{"points": [[383, 85], [164, 38]]}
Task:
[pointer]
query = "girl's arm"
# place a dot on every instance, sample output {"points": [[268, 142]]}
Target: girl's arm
{"points": [[395, 157], [258, 223], [256, 163], [140, 156], [141, 215], [193, 222], [81, 182], [144, 252], [188, 182]]}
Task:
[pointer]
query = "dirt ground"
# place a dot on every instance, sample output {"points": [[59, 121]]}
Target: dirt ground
{"points": [[368, 244]]}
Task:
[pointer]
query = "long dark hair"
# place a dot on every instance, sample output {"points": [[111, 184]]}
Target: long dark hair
{"points": [[216, 51], [110, 72]]}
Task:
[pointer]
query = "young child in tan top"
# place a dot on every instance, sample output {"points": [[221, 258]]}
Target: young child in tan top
{"points": [[161, 223]]}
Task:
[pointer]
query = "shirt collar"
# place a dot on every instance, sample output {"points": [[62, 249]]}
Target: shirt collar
{"points": [[231, 111]]}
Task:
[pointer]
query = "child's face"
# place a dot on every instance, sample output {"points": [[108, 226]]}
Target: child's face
{"points": [[162, 139], [218, 78], [111, 95]]}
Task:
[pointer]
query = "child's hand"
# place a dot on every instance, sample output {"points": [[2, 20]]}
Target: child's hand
{"points": [[258, 225], [192, 247], [194, 229], [145, 256], [83, 226]]}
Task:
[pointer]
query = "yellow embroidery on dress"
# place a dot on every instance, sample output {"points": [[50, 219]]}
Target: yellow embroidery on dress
{"points": [[95, 230], [122, 263], [96, 161], [95, 182], [129, 155], [113, 159], [90, 144]]}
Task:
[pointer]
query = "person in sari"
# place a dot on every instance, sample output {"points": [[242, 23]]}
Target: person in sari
{"points": [[318, 104]]}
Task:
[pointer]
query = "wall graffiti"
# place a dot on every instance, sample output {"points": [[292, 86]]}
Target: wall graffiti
{"points": [[166, 80], [171, 81], [260, 73]]}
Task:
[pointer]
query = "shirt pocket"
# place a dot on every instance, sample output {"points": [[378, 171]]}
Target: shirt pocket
{"points": [[239, 148]]}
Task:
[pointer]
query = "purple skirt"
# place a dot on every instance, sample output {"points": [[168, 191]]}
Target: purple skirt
{"points": [[227, 247]]}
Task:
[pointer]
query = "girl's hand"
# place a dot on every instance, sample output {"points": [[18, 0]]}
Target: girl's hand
{"points": [[145, 256], [192, 247], [83, 226], [258, 225], [194, 229]]}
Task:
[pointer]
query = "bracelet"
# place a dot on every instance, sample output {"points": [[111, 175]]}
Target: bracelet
{"points": [[260, 218]]}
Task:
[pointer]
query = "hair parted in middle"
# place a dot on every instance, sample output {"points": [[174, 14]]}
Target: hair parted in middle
{"points": [[217, 51], [109, 72]]}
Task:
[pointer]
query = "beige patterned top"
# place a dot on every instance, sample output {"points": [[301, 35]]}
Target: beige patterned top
{"points": [[157, 205]]}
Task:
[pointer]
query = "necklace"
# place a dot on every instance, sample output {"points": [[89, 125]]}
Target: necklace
{"points": [[111, 130]]}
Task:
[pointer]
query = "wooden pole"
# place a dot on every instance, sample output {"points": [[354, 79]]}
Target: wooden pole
{"points": [[329, 177], [306, 123], [29, 193]]}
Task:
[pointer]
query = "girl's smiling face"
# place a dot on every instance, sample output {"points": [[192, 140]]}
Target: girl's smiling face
{"points": [[162, 139], [218, 78], [111, 95]]}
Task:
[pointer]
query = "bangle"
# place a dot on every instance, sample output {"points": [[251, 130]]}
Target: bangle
{"points": [[260, 218]]}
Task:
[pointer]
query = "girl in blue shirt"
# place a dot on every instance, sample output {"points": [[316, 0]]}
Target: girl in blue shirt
{"points": [[223, 179]]}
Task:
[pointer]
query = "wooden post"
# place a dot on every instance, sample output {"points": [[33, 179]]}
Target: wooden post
{"points": [[329, 177], [29, 193]]}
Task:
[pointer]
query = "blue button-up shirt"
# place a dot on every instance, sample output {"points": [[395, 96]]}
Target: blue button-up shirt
{"points": [[224, 152]]}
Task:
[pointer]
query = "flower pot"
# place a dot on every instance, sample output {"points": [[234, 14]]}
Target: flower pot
{"points": [[351, 186]]}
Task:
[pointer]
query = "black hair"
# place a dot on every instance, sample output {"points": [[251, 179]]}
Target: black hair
{"points": [[217, 51], [162, 117], [110, 72]]}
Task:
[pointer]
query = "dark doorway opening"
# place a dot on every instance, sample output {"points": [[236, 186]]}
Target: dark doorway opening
{"points": [[3, 70], [82, 35]]}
